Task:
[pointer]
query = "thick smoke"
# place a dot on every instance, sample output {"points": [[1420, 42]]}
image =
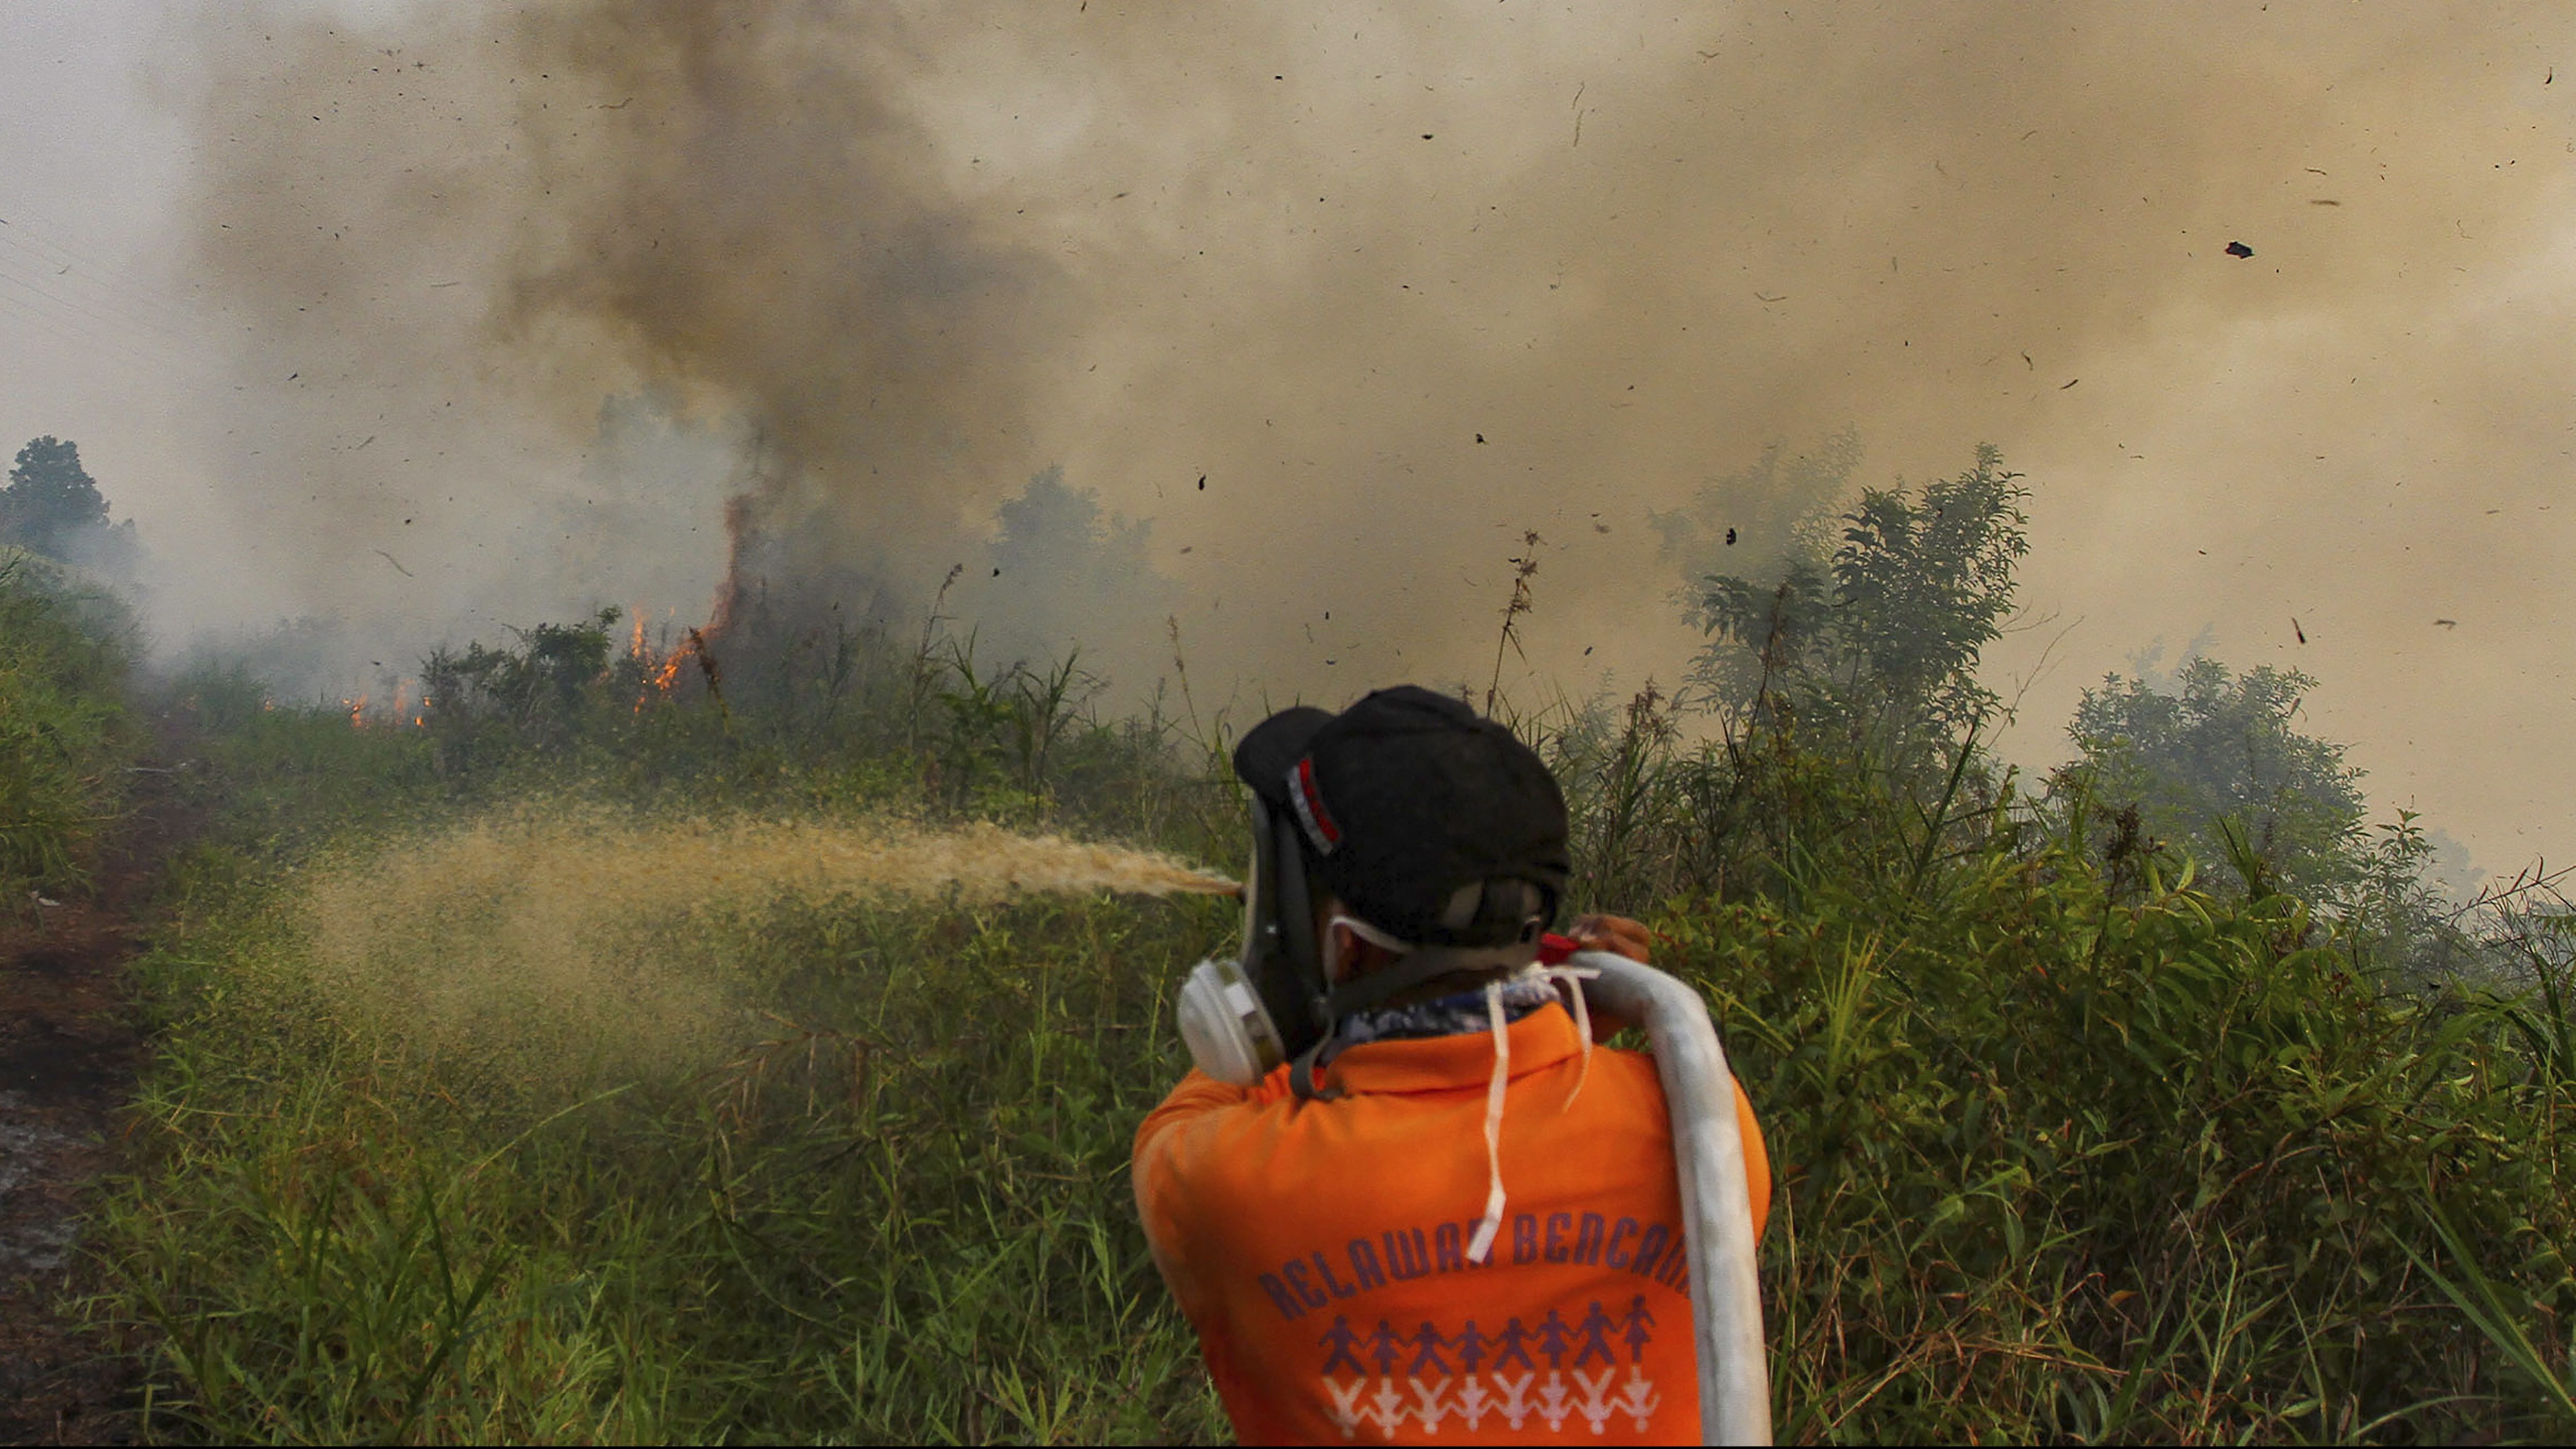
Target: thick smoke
{"points": [[1400, 282]]}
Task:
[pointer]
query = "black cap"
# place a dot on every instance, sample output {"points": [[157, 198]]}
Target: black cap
{"points": [[1407, 800]]}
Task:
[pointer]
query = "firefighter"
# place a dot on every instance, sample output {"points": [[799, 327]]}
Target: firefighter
{"points": [[1450, 1217]]}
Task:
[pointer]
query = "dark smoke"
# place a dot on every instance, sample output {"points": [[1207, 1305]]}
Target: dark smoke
{"points": [[906, 256]]}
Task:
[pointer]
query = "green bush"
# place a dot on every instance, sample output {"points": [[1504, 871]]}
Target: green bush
{"points": [[2055, 1164], [66, 732]]}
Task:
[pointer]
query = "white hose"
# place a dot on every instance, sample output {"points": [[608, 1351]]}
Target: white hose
{"points": [[1717, 1201]]}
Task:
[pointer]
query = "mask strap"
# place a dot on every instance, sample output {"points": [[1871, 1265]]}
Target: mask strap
{"points": [[1301, 1075], [1419, 964], [1332, 957], [1373, 935], [1495, 1090]]}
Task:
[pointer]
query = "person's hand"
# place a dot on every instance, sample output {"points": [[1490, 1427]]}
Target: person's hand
{"points": [[1615, 934], [1620, 937]]}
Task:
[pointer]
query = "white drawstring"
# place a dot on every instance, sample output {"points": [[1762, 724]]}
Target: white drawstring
{"points": [[1483, 1242], [1499, 1086], [1572, 979]]}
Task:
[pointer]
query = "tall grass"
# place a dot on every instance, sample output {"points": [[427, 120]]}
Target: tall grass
{"points": [[2069, 1144], [851, 1170], [2066, 1166], [67, 734]]}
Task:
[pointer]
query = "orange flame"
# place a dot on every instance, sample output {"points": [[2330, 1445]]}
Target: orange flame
{"points": [[659, 671]]}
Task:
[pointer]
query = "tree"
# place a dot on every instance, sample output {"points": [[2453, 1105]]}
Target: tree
{"points": [[1778, 508], [1846, 683], [2216, 765], [51, 500], [1067, 572], [1888, 631], [537, 692]]}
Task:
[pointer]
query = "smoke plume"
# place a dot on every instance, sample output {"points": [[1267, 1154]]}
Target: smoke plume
{"points": [[1345, 297]]}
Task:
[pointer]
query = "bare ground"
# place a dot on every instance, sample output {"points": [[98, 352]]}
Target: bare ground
{"points": [[69, 1049]]}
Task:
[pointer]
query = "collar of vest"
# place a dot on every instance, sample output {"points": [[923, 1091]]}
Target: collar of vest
{"points": [[1460, 1062]]}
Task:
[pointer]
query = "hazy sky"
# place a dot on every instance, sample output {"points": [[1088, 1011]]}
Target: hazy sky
{"points": [[99, 339], [331, 299]]}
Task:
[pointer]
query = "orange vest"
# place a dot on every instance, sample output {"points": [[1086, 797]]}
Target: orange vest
{"points": [[1319, 1247]]}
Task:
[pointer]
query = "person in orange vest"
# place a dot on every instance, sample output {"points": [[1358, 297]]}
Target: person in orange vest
{"points": [[1403, 1197]]}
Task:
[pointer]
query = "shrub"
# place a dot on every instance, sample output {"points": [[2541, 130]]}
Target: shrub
{"points": [[66, 732]]}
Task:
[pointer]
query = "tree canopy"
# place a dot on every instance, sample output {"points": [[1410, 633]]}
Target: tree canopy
{"points": [[1066, 570], [51, 499], [1888, 629], [2215, 764]]}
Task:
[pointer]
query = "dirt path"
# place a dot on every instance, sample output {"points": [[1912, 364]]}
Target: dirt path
{"points": [[68, 1055]]}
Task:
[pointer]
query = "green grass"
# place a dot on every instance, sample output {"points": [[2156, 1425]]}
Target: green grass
{"points": [[66, 731], [2056, 1165], [893, 1206], [2068, 1147]]}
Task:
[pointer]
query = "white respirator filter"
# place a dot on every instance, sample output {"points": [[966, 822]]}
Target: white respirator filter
{"points": [[1225, 1026]]}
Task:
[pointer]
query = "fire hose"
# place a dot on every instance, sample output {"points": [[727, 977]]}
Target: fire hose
{"points": [[1717, 1202]]}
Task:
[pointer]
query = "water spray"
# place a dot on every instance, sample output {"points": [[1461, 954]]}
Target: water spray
{"points": [[569, 938]]}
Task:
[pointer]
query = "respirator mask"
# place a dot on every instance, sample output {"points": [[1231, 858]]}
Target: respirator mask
{"points": [[1241, 1017]]}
